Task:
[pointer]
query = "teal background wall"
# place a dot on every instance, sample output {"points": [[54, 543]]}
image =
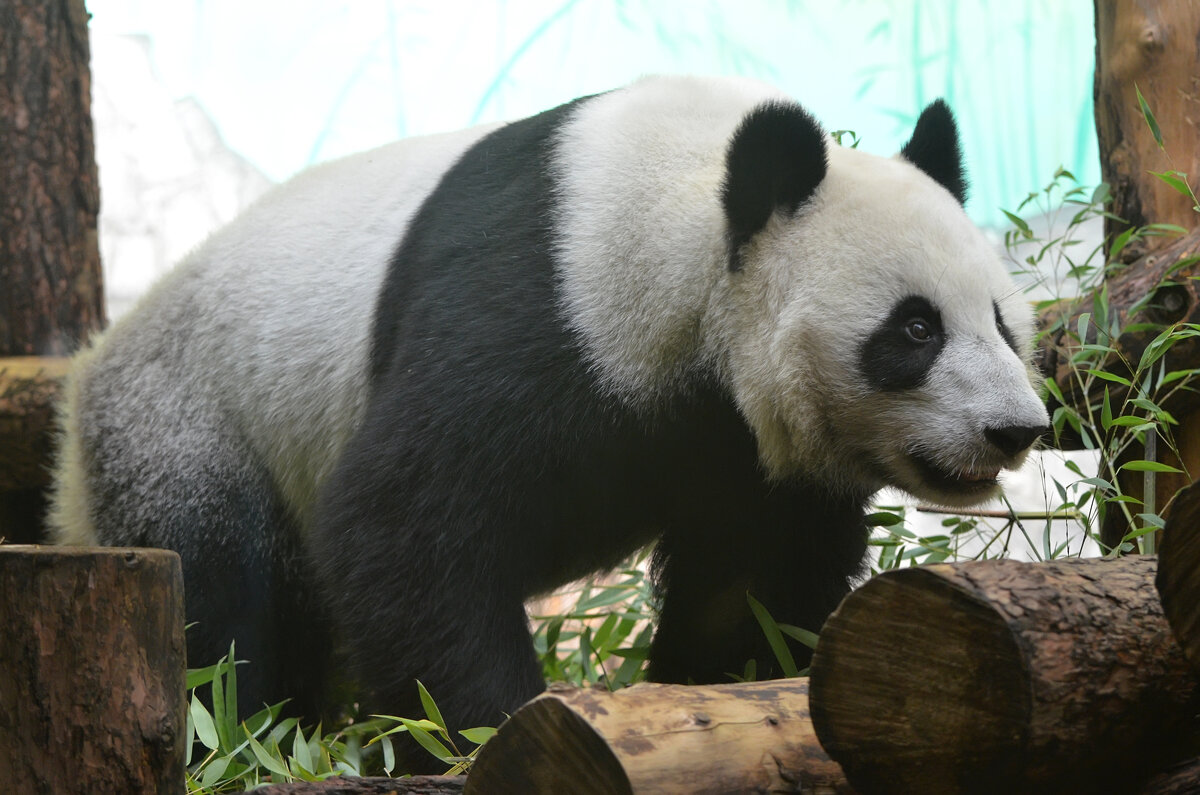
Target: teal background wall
{"points": [[291, 83]]}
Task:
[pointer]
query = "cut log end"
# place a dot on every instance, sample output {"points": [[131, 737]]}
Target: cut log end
{"points": [[924, 675], [552, 749], [652, 738], [1001, 676]]}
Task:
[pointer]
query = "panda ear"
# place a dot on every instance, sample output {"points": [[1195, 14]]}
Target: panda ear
{"points": [[775, 160], [934, 149]]}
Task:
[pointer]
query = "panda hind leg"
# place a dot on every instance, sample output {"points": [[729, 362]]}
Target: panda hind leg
{"points": [[246, 580]]}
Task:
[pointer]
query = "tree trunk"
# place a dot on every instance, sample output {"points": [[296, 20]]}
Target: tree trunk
{"points": [[50, 287], [660, 738], [1000, 676], [1155, 47], [1152, 46], [51, 297], [91, 670], [1178, 578]]}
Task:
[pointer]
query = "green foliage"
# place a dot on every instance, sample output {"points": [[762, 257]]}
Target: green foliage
{"points": [[605, 636], [426, 732], [225, 754], [1176, 179], [847, 138]]}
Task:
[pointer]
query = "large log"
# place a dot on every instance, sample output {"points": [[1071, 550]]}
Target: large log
{"points": [[649, 738], [1178, 578], [1001, 676], [92, 670]]}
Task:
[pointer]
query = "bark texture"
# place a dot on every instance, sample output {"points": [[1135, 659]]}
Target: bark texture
{"points": [[415, 785], [1153, 47], [92, 670], [1000, 676], [1179, 573], [51, 296], [755, 737], [1182, 779], [29, 386]]}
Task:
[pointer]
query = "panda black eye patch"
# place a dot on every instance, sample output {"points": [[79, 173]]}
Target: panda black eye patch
{"points": [[902, 349]]}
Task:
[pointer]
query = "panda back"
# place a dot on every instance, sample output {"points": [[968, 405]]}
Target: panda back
{"points": [[641, 241], [267, 324]]}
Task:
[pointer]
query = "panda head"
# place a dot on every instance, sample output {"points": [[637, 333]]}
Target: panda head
{"points": [[873, 336]]}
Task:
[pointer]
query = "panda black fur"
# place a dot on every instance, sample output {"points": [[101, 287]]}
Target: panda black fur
{"points": [[410, 389]]}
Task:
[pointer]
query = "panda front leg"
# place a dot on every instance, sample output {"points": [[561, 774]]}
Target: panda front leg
{"points": [[799, 565]]}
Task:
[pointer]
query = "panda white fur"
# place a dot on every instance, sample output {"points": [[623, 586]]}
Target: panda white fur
{"points": [[409, 389]]}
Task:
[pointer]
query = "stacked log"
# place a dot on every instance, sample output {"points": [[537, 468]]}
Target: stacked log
{"points": [[993, 676]]}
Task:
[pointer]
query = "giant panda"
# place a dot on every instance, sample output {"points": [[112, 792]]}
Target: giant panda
{"points": [[410, 389]]}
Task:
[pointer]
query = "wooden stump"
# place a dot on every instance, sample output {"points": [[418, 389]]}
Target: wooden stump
{"points": [[1000, 676], [92, 670], [650, 738]]}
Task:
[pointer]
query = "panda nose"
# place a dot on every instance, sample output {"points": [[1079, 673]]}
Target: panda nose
{"points": [[1012, 439]]}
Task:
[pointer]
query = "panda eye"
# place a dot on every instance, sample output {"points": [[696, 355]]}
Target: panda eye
{"points": [[919, 330]]}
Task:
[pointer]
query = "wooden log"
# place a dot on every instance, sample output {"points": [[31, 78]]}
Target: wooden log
{"points": [[1001, 676], [650, 738], [29, 387], [92, 670], [1178, 578], [414, 785], [1181, 779]]}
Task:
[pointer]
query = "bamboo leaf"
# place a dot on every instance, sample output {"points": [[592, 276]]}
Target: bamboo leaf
{"points": [[1020, 224], [1149, 466], [774, 637], [206, 730], [431, 709], [1176, 180], [479, 735], [1148, 114], [1109, 377]]}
